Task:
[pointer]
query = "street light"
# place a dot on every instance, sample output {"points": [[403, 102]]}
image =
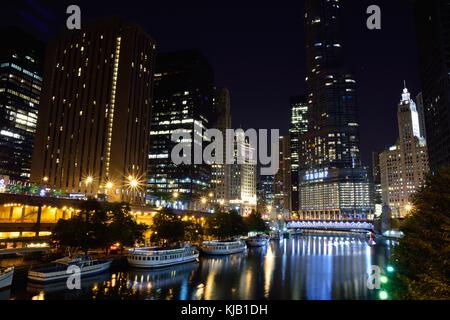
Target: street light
{"points": [[383, 295], [45, 179], [204, 200], [89, 180], [176, 195], [109, 185], [211, 194]]}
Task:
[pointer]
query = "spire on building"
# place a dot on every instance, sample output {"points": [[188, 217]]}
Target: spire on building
{"points": [[406, 96]]}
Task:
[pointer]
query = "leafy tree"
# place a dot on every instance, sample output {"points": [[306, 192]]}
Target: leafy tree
{"points": [[422, 258], [193, 231], [167, 227], [223, 225], [122, 227], [84, 231], [98, 225], [255, 223]]}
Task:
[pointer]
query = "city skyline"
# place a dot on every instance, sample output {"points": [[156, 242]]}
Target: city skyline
{"points": [[235, 60]]}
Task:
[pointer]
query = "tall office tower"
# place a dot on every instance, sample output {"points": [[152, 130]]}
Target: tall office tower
{"points": [[243, 177], [376, 178], [282, 180], [405, 165], [20, 92], [265, 194], [184, 100], [333, 184], [220, 182], [93, 127], [433, 39], [299, 126]]}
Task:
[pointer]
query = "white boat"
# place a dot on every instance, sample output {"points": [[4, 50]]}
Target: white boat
{"points": [[276, 236], [259, 240], [223, 247], [60, 269], [157, 257], [6, 277]]}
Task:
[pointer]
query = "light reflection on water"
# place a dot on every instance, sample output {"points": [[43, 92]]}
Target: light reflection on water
{"points": [[312, 267]]}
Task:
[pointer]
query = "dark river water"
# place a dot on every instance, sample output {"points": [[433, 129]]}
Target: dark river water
{"points": [[308, 267]]}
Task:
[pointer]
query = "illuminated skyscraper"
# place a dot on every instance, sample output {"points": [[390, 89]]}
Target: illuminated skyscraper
{"points": [[20, 91], [404, 166], [184, 100], [243, 177], [333, 184], [299, 126], [282, 180], [93, 129]]}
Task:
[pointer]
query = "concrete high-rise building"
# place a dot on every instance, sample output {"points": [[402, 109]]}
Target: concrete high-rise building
{"points": [[265, 194], [404, 166], [333, 184], [421, 111], [20, 91], [432, 17], [282, 180], [299, 126], [93, 128], [184, 100], [221, 172], [243, 177]]}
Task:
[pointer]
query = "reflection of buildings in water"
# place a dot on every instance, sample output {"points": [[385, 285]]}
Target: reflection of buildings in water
{"points": [[5, 294], [44, 290], [144, 280], [336, 266], [318, 267], [225, 270]]}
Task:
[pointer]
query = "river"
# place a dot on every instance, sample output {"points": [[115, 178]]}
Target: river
{"points": [[323, 266]]}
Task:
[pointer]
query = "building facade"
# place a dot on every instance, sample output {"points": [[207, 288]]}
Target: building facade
{"points": [[93, 128], [329, 158], [299, 126], [434, 58], [404, 166], [243, 177], [184, 100], [282, 180], [221, 173], [20, 93]]}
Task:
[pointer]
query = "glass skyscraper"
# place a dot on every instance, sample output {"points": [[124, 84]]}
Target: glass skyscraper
{"points": [[184, 99], [20, 92], [333, 184]]}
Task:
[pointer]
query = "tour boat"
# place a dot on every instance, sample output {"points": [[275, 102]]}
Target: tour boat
{"points": [[223, 247], [276, 236], [157, 257], [6, 277], [259, 240], [60, 269]]}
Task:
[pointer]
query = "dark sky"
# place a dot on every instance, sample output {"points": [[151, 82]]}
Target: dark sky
{"points": [[257, 51]]}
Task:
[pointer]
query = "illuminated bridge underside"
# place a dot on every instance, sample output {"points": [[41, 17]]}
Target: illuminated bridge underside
{"points": [[331, 225]]}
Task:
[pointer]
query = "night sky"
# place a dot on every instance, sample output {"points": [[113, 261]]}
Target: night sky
{"points": [[257, 51]]}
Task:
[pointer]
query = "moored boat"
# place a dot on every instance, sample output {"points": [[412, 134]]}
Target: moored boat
{"points": [[226, 247], [6, 277], [259, 240], [158, 257], [60, 270]]}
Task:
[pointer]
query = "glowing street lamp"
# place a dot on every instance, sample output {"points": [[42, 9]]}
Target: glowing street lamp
{"points": [[176, 195], [109, 185], [211, 194], [45, 179], [89, 180], [134, 183], [204, 200]]}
